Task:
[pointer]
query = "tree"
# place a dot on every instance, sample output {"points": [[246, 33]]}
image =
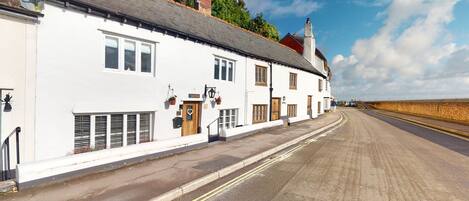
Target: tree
{"points": [[235, 12], [190, 3], [261, 26], [232, 12]]}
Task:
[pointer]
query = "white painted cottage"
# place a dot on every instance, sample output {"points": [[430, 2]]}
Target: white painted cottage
{"points": [[120, 81]]}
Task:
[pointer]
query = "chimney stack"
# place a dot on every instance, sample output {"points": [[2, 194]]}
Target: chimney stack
{"points": [[204, 6], [12, 3], [309, 44]]}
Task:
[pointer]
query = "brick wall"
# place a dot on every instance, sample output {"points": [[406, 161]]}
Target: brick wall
{"points": [[455, 111]]}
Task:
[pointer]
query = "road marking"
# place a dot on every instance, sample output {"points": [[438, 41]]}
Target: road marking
{"points": [[266, 164]]}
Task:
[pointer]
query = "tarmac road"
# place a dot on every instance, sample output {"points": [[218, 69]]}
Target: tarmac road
{"points": [[371, 157]]}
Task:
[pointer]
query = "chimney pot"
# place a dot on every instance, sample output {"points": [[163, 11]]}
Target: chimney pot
{"points": [[204, 6]]}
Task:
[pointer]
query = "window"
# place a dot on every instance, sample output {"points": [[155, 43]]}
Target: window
{"points": [[228, 118], [125, 54], [320, 85], [82, 133], [261, 76], [112, 53], [224, 70], [117, 130], [131, 129], [100, 132], [129, 56], [259, 113], [145, 127], [110, 130], [327, 83], [230, 71], [293, 80], [291, 110], [217, 69], [145, 57]]}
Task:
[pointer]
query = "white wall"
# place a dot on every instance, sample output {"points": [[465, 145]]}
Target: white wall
{"points": [[17, 71], [307, 84], [72, 80]]}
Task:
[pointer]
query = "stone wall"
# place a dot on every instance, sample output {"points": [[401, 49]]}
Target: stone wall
{"points": [[449, 110]]}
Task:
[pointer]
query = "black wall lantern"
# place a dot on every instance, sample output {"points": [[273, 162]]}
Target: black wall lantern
{"points": [[210, 91]]}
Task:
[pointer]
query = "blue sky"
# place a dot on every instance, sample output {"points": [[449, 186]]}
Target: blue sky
{"points": [[414, 45]]}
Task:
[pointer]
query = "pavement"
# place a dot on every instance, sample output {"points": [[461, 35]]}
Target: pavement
{"points": [[150, 179], [371, 157]]}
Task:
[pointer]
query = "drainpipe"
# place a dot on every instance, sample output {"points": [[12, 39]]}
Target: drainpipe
{"points": [[270, 95], [246, 94]]}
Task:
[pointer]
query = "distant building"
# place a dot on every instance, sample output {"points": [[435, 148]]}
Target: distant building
{"points": [[303, 45], [114, 83]]}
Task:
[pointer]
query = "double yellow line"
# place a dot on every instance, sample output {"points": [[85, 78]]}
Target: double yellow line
{"points": [[267, 163]]}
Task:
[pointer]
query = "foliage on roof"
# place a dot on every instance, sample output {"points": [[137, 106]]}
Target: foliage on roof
{"points": [[235, 12]]}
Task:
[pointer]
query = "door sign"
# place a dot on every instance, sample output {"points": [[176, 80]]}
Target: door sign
{"points": [[189, 112]]}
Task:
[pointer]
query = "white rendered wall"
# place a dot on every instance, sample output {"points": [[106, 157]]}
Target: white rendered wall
{"points": [[306, 85], [17, 71], [72, 79]]}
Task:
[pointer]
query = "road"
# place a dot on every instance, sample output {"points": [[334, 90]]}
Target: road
{"points": [[370, 157]]}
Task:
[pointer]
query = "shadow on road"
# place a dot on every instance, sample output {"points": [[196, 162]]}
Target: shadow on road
{"points": [[453, 143]]}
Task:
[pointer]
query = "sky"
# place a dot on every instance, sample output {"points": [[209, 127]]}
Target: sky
{"points": [[384, 49]]}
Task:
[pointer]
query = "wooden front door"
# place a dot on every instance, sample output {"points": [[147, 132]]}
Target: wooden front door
{"points": [[190, 118], [276, 109], [309, 105]]}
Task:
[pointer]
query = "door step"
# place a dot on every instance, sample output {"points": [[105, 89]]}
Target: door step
{"points": [[7, 186]]}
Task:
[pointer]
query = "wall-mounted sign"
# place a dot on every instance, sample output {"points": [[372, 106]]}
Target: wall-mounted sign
{"points": [[194, 95]]}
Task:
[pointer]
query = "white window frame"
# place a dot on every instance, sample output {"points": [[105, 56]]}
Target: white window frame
{"points": [[220, 67], [138, 54], [108, 128], [233, 118]]}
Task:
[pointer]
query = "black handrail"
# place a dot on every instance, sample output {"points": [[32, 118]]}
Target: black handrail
{"points": [[6, 174], [218, 128]]}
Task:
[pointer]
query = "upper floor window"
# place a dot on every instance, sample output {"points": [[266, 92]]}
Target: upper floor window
{"points": [[112, 53], [320, 85], [129, 55], [224, 69], [293, 80], [327, 83], [145, 58], [261, 76]]}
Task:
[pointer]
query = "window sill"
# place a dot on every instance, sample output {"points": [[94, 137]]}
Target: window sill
{"points": [[118, 71]]}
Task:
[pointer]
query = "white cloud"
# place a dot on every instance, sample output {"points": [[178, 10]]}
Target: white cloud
{"points": [[276, 8], [371, 3], [466, 80], [406, 57]]}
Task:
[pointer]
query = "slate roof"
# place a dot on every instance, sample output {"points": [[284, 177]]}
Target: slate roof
{"points": [[177, 17]]}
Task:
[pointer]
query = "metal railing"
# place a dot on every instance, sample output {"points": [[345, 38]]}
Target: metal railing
{"points": [[212, 137], [7, 172]]}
